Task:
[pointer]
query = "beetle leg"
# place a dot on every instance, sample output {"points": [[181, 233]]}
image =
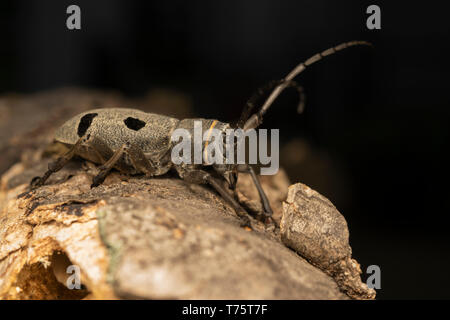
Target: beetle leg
{"points": [[100, 148], [107, 166], [260, 93], [200, 176], [236, 206], [140, 161], [58, 164], [137, 157], [246, 168]]}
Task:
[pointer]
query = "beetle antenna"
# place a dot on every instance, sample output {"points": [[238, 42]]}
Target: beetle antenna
{"points": [[256, 119], [250, 105]]}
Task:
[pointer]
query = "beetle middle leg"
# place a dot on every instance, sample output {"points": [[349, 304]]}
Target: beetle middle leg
{"points": [[137, 157]]}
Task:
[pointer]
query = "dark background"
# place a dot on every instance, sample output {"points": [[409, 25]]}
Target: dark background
{"points": [[375, 124]]}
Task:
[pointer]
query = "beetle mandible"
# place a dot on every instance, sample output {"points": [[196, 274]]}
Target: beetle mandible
{"points": [[133, 141]]}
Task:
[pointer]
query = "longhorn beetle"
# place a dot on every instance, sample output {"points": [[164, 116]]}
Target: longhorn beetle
{"points": [[134, 142]]}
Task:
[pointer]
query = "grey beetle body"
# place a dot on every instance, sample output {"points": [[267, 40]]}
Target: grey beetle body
{"points": [[118, 126], [133, 141], [115, 127], [110, 125]]}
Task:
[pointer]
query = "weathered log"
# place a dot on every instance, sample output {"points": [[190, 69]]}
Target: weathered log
{"points": [[134, 237]]}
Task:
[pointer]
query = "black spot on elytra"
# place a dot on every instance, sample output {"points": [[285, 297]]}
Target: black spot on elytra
{"points": [[85, 123], [134, 124]]}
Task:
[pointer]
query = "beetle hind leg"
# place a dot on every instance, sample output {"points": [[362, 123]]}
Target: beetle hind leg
{"points": [[99, 151], [58, 164]]}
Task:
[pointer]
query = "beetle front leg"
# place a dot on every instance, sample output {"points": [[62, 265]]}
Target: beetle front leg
{"points": [[236, 206], [200, 176], [246, 168]]}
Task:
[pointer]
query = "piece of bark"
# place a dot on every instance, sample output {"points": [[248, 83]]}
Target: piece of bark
{"points": [[134, 237], [131, 237], [315, 229]]}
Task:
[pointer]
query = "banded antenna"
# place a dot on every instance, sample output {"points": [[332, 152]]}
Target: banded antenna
{"points": [[256, 119]]}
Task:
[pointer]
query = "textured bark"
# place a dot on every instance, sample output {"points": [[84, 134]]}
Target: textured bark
{"points": [[142, 238], [315, 229], [134, 237]]}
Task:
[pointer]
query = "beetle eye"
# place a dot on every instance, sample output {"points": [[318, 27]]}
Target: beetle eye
{"points": [[134, 124]]}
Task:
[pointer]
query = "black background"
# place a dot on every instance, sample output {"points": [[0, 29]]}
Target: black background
{"points": [[380, 116]]}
